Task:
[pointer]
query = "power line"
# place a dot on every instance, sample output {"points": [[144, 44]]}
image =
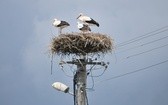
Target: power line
{"points": [[146, 51], [142, 69], [143, 44], [142, 37]]}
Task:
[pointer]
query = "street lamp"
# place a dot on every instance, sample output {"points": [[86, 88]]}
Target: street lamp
{"points": [[61, 87]]}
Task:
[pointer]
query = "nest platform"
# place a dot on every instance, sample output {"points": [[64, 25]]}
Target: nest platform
{"points": [[81, 43]]}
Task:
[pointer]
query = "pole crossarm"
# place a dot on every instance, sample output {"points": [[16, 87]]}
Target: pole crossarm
{"points": [[82, 61]]}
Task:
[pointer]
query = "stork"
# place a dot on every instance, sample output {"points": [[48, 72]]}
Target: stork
{"points": [[83, 27], [87, 20], [60, 24]]}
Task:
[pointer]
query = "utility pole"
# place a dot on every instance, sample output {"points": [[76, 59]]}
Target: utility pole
{"points": [[80, 79], [81, 84]]}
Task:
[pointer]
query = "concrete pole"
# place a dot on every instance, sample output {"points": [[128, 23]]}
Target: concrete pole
{"points": [[81, 83], [80, 79]]}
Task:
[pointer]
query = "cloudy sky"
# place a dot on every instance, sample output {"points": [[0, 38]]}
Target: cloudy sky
{"points": [[26, 32]]}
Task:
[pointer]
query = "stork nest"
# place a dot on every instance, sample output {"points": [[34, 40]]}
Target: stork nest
{"points": [[81, 43]]}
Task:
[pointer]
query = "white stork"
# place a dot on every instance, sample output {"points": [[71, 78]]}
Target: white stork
{"points": [[60, 24], [83, 27], [87, 20]]}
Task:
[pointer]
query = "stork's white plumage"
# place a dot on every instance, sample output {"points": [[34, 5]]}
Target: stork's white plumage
{"points": [[87, 20], [83, 27], [60, 24]]}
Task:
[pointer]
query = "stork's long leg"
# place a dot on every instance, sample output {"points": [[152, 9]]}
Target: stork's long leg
{"points": [[60, 31]]}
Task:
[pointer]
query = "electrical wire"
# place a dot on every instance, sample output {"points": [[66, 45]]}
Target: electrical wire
{"points": [[92, 77], [97, 68], [125, 74], [86, 98], [65, 72], [145, 51], [99, 74], [92, 81], [71, 68], [91, 69], [62, 68], [51, 63], [142, 37], [90, 72], [144, 44]]}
